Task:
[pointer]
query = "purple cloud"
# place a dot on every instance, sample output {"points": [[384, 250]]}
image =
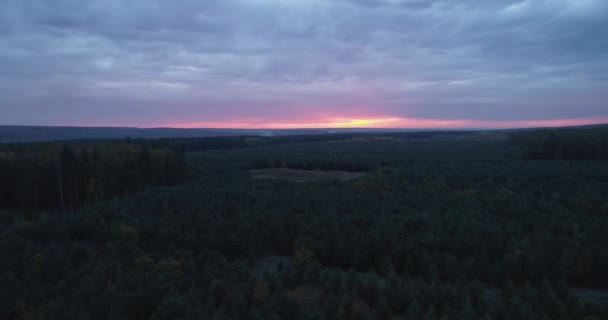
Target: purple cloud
{"points": [[153, 63]]}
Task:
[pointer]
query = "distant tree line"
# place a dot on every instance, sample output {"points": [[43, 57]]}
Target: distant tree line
{"points": [[233, 142], [563, 144]]}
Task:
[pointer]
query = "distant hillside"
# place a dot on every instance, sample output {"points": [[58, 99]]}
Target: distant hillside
{"points": [[10, 134], [43, 133]]}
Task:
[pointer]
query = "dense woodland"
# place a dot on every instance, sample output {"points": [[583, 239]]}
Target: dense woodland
{"points": [[444, 225], [54, 175], [564, 144]]}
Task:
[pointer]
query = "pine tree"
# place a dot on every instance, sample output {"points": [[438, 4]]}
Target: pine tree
{"points": [[381, 308], [431, 313], [467, 312], [414, 312]]}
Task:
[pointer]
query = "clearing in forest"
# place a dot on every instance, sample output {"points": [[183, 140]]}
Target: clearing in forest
{"points": [[304, 175]]}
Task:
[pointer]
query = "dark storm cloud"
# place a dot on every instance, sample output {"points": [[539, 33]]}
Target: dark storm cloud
{"points": [[153, 62]]}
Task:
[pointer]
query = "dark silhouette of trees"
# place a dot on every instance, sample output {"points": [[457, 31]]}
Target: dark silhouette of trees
{"points": [[441, 226], [68, 176]]}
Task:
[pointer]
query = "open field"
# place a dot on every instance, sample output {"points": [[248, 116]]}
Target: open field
{"points": [[304, 175]]}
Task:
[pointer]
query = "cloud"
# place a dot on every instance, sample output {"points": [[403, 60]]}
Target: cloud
{"points": [[154, 62]]}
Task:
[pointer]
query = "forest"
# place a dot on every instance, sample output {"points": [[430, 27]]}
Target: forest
{"points": [[402, 225]]}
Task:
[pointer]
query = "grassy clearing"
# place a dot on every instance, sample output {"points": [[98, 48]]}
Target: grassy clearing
{"points": [[304, 175]]}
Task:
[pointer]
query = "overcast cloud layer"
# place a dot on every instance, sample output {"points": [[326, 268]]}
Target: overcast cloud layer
{"points": [[264, 62]]}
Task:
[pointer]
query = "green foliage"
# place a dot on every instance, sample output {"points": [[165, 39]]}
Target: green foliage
{"points": [[169, 267], [53, 175], [564, 144], [124, 233], [442, 226]]}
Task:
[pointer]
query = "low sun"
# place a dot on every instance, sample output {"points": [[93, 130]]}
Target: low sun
{"points": [[363, 123]]}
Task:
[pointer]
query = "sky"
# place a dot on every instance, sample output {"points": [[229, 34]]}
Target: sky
{"points": [[304, 63]]}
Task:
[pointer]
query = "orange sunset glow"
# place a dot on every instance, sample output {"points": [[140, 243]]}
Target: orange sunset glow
{"points": [[382, 122], [304, 159]]}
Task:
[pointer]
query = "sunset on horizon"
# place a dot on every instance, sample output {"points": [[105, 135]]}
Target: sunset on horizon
{"points": [[384, 123], [304, 64], [304, 159]]}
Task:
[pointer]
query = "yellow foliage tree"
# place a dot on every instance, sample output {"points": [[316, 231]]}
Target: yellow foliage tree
{"points": [[303, 256], [262, 289], [169, 267], [125, 233]]}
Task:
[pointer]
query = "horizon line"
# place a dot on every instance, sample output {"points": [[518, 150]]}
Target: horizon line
{"points": [[305, 128]]}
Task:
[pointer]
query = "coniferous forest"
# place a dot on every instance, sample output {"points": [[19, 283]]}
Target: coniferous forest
{"points": [[423, 225]]}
